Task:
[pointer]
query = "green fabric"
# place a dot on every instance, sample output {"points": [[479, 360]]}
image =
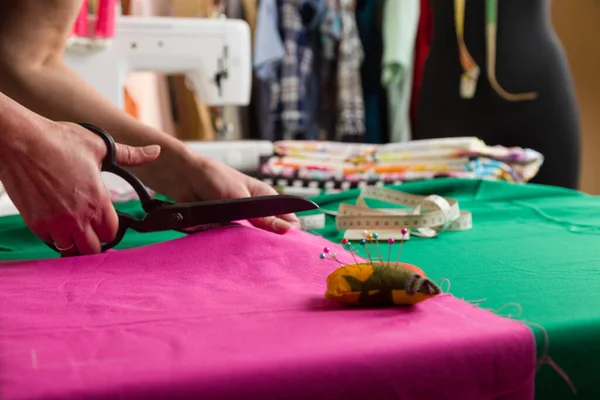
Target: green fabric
{"points": [[17, 242], [533, 245], [400, 24], [491, 11]]}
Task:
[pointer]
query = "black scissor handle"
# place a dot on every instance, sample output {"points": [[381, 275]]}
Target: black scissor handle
{"points": [[109, 164]]}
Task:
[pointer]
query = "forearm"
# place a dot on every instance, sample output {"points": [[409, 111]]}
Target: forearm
{"points": [[15, 123], [33, 35], [18, 128], [60, 94]]}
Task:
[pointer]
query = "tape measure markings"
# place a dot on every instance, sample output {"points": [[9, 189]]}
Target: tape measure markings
{"points": [[425, 215]]}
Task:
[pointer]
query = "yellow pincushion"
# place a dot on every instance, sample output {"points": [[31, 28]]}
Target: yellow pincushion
{"points": [[377, 283]]}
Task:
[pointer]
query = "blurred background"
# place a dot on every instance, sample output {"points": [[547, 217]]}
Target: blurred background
{"points": [[575, 26], [167, 103]]}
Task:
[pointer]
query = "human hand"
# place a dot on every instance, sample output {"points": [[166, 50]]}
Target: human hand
{"points": [[52, 175], [192, 178]]}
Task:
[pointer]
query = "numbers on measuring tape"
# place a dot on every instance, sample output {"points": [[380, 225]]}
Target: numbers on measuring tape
{"points": [[419, 213]]}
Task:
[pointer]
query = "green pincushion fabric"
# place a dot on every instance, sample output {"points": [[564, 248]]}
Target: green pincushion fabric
{"points": [[534, 245]]}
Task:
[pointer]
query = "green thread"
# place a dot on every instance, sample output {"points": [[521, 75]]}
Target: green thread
{"points": [[491, 11]]}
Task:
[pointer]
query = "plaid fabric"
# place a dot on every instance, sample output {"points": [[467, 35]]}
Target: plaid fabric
{"points": [[350, 103], [288, 91], [330, 30]]}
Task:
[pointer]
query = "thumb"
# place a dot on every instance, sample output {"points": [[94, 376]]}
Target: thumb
{"points": [[136, 156]]}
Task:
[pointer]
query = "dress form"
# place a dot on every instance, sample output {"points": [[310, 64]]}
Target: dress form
{"points": [[529, 58]]}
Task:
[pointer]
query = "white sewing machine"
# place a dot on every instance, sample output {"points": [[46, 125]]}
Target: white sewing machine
{"points": [[215, 55]]}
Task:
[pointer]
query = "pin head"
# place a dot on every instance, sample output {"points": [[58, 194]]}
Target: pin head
{"points": [[322, 255], [365, 233], [363, 242], [391, 241], [403, 231], [344, 241], [326, 250], [374, 235], [369, 236]]}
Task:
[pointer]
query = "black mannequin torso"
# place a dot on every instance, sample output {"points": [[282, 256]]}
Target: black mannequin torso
{"points": [[529, 59]]}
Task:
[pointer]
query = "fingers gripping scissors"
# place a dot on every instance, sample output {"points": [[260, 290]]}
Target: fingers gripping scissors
{"points": [[188, 217]]}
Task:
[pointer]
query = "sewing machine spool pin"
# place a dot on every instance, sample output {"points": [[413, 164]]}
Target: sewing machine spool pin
{"points": [[222, 70]]}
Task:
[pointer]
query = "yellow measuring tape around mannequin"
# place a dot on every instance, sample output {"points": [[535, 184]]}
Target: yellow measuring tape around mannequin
{"points": [[423, 216], [470, 76]]}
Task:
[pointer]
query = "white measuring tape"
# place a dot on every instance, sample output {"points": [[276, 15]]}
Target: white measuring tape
{"points": [[423, 216]]}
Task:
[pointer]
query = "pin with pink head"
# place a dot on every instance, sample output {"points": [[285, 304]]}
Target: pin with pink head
{"points": [[328, 254]]}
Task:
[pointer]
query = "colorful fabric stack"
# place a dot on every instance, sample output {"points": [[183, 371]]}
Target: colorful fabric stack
{"points": [[396, 162]]}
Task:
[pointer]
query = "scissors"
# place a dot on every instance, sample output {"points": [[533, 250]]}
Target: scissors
{"points": [[188, 217]]}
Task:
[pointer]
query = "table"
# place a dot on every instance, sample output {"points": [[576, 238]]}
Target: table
{"points": [[532, 245]]}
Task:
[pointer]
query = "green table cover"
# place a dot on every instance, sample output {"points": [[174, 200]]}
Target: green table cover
{"points": [[17, 242], [534, 245]]}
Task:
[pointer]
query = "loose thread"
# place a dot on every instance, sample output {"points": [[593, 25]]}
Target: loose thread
{"points": [[544, 358], [440, 284], [476, 303], [511, 304]]}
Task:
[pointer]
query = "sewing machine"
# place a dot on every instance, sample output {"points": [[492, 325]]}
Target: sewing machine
{"points": [[214, 54]]}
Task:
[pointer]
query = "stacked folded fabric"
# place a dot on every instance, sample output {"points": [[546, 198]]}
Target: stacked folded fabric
{"points": [[466, 157]]}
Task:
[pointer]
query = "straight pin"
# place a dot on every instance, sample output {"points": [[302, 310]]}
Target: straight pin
{"points": [[348, 246], [390, 243], [403, 231]]}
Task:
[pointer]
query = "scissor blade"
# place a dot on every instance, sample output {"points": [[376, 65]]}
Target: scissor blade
{"points": [[188, 215]]}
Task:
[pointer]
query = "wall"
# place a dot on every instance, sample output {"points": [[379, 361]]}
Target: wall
{"points": [[576, 23]]}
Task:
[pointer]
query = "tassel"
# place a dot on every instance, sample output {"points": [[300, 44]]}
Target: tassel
{"points": [[79, 40], [80, 29], [105, 22]]}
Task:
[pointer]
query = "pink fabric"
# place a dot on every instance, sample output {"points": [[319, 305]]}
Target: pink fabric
{"points": [[105, 22], [239, 313], [80, 28]]}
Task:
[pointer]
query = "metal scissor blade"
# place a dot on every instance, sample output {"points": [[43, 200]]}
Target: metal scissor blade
{"points": [[189, 215]]}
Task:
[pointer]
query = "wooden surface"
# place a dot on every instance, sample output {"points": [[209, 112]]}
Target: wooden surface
{"points": [[576, 23]]}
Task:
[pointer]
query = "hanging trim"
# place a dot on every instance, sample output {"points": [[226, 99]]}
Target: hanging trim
{"points": [[491, 27], [85, 37], [471, 70], [470, 76]]}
